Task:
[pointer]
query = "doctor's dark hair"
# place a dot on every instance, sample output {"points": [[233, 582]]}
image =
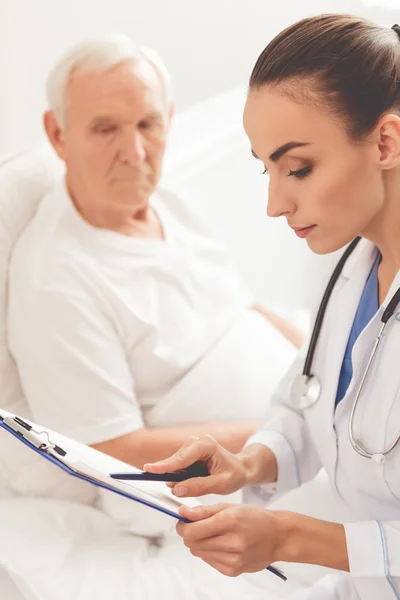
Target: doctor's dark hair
{"points": [[350, 64]]}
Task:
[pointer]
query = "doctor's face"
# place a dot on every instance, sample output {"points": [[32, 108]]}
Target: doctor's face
{"points": [[328, 187]]}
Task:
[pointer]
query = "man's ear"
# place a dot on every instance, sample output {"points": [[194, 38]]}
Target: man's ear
{"points": [[389, 142], [54, 133], [171, 113]]}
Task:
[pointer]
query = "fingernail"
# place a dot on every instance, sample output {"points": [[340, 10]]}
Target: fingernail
{"points": [[180, 491]]}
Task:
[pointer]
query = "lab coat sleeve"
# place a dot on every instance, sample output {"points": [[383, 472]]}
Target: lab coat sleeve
{"points": [[285, 432], [373, 549]]}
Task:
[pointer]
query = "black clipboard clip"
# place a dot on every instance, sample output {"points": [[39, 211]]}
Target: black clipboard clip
{"points": [[39, 439]]}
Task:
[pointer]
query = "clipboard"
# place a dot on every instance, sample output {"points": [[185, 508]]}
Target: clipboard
{"points": [[39, 440]]}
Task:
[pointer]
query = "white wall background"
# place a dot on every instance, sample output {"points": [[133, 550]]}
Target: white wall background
{"points": [[210, 47], [209, 163]]}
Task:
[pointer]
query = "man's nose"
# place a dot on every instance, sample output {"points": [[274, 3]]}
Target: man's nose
{"points": [[132, 151]]}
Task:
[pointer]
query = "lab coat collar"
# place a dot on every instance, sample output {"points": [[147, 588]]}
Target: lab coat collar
{"points": [[364, 253]]}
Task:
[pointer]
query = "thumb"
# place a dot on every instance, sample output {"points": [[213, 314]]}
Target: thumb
{"points": [[199, 513]]}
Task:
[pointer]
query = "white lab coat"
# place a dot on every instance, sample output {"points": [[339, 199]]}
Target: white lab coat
{"points": [[303, 441]]}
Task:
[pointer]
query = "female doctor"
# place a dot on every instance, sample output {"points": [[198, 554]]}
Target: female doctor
{"points": [[323, 117]]}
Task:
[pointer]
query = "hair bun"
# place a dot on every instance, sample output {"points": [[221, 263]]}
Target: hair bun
{"points": [[396, 28]]}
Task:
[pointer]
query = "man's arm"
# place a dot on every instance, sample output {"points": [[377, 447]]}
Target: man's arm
{"points": [[294, 335], [150, 445], [78, 382]]}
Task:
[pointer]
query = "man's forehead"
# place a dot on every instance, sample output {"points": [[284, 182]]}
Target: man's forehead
{"points": [[123, 81]]}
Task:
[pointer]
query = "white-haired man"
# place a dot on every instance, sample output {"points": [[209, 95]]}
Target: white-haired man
{"points": [[130, 328]]}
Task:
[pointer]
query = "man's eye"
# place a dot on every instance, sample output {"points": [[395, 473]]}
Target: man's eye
{"points": [[152, 125], [265, 172], [301, 173], [106, 129]]}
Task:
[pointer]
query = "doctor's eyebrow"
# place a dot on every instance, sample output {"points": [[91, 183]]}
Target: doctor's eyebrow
{"points": [[279, 152]]}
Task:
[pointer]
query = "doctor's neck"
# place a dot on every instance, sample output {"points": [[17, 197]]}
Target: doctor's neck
{"points": [[384, 229]]}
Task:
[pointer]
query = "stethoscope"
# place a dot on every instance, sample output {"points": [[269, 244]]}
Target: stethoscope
{"points": [[306, 388]]}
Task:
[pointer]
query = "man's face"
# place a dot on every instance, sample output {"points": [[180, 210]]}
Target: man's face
{"points": [[113, 142]]}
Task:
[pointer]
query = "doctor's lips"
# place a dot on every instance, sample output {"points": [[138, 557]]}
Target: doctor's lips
{"points": [[302, 232]]}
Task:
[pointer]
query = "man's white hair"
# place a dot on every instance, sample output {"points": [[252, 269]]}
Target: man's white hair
{"points": [[100, 53]]}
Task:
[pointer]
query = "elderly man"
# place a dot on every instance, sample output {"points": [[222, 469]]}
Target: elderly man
{"points": [[130, 328]]}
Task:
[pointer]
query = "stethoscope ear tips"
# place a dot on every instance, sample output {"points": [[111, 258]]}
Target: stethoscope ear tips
{"points": [[378, 459]]}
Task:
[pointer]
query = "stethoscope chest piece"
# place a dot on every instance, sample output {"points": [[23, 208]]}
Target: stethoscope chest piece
{"points": [[378, 459], [305, 391]]}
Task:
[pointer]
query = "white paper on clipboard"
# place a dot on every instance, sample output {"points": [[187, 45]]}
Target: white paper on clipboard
{"points": [[95, 467]]}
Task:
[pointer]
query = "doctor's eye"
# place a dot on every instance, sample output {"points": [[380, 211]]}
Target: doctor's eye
{"points": [[264, 172], [301, 173]]}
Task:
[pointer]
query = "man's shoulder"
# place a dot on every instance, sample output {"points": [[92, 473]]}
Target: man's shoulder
{"points": [[46, 238], [45, 255]]}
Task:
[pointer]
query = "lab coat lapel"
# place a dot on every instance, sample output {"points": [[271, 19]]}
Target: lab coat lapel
{"points": [[338, 322]]}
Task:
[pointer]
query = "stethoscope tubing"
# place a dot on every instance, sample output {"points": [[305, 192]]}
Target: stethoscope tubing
{"points": [[322, 307], [387, 314]]}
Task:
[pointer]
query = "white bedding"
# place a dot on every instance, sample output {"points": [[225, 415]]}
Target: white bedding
{"points": [[85, 555], [62, 550], [9, 589]]}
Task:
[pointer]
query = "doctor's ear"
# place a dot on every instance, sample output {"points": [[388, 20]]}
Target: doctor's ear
{"points": [[388, 132], [54, 133]]}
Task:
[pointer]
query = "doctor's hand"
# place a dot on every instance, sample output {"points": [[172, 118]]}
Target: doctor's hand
{"points": [[227, 471], [234, 539], [240, 538]]}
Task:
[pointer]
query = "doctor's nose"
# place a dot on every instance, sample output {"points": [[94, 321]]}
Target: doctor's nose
{"points": [[279, 204], [132, 151]]}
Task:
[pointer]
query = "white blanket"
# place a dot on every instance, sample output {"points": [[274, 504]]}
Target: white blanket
{"points": [[60, 550], [85, 555]]}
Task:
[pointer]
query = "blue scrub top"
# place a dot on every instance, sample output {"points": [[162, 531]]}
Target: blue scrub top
{"points": [[367, 308]]}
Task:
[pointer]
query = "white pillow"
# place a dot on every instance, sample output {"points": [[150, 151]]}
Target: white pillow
{"points": [[24, 179]]}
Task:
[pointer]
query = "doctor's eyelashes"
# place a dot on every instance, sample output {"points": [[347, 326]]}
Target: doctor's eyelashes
{"points": [[300, 173]]}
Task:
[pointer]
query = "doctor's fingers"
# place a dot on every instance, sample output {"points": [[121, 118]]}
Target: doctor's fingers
{"points": [[220, 483], [195, 449], [230, 543], [207, 522], [230, 565]]}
